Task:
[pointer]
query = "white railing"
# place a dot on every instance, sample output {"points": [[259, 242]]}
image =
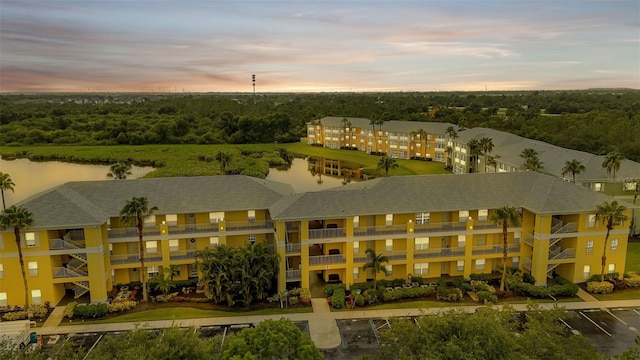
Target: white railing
{"points": [[133, 232], [440, 252], [569, 253], [526, 263], [294, 275], [438, 227], [380, 230], [327, 259], [568, 228], [327, 233], [61, 244], [292, 248], [183, 255], [62, 272], [481, 225]]}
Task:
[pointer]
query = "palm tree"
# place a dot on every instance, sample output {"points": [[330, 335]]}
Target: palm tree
{"points": [[451, 132], [574, 167], [531, 160], [5, 184], [162, 283], [612, 163], [119, 171], [133, 213], [376, 262], [387, 162], [492, 161], [611, 214], [373, 124], [18, 218], [528, 153], [486, 144], [224, 158], [172, 270], [505, 216], [474, 152]]}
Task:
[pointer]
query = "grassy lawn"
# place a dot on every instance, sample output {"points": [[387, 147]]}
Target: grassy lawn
{"points": [[183, 160], [626, 294], [633, 257], [177, 313]]}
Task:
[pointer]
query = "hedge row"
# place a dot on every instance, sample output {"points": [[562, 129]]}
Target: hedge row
{"points": [[407, 293], [564, 288], [599, 287], [90, 311]]}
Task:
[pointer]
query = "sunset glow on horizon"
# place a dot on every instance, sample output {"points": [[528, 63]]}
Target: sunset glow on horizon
{"points": [[319, 46]]}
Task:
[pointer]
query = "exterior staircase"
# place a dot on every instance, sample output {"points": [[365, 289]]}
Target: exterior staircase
{"points": [[81, 288]]}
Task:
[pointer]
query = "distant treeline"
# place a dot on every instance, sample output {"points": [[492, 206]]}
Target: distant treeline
{"points": [[595, 121]]}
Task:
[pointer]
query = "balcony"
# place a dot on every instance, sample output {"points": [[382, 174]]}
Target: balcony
{"points": [[440, 227], [292, 248], [327, 233], [249, 225], [569, 253], [327, 260], [193, 228], [494, 249], [567, 228], [133, 258], [61, 244], [62, 272], [526, 263], [116, 233], [482, 225], [360, 258], [527, 238], [182, 255], [441, 252], [380, 230], [294, 275]]}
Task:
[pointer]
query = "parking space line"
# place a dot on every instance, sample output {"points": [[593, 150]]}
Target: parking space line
{"points": [[565, 323], [594, 323], [93, 346], [636, 311], [610, 313]]}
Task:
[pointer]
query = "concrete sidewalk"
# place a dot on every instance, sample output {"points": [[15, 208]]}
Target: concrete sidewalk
{"points": [[322, 322]]}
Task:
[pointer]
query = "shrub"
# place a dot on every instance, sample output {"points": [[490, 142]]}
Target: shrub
{"points": [[528, 278], [118, 306], [482, 286], [596, 278], [68, 310], [91, 311], [361, 286], [293, 300], [397, 282], [417, 279], [487, 297], [305, 295], [330, 289], [337, 299], [359, 299], [39, 311], [407, 293], [452, 294], [480, 277], [632, 279], [15, 315], [371, 296], [600, 287]]}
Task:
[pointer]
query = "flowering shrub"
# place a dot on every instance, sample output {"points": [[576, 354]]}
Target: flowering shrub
{"points": [[68, 310], [446, 294], [39, 311], [633, 279], [15, 315], [118, 306], [600, 287]]}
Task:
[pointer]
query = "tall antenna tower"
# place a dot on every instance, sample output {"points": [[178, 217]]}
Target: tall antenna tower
{"points": [[253, 80]]}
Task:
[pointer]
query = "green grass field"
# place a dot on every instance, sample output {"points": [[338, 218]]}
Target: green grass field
{"points": [[184, 160], [633, 257]]}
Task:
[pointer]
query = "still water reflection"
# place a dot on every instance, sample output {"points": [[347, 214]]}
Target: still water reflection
{"points": [[34, 177], [301, 179]]}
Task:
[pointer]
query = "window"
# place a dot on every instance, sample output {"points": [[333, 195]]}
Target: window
{"points": [[252, 238], [251, 215], [150, 220], [423, 218], [152, 246], [612, 268], [389, 219], [480, 264], [356, 221], [1, 271], [388, 244], [515, 261], [214, 241], [113, 275], [597, 186], [586, 272], [463, 215], [462, 240], [356, 273], [388, 269], [592, 221], [30, 239], [216, 217], [422, 243], [629, 186], [3, 299], [614, 245], [421, 268], [171, 219], [460, 265], [33, 268], [589, 246], [356, 247], [153, 270], [174, 245], [483, 214], [36, 297]]}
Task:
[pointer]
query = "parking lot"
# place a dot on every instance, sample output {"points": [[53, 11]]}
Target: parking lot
{"points": [[611, 332]]}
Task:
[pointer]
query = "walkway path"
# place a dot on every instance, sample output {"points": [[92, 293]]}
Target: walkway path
{"points": [[322, 322]]}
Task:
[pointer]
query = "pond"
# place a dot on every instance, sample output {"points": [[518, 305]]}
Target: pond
{"points": [[32, 177]]}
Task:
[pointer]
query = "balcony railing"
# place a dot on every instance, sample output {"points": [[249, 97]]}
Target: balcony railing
{"points": [[249, 225], [193, 228], [133, 232], [527, 239], [441, 252], [526, 263], [380, 230], [481, 225], [183, 255], [360, 257], [494, 249], [327, 233], [292, 248], [568, 228], [61, 244], [62, 272], [569, 253], [395, 255], [134, 258], [294, 275], [327, 259], [439, 227]]}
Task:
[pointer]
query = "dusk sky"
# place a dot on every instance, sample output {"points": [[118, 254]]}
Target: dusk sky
{"points": [[309, 46]]}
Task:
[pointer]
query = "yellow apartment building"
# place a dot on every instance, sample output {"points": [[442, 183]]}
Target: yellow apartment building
{"points": [[429, 226]]}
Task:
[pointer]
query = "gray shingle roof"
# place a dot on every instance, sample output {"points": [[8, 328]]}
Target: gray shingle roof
{"points": [[392, 125], [510, 146], [93, 202], [536, 192]]}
